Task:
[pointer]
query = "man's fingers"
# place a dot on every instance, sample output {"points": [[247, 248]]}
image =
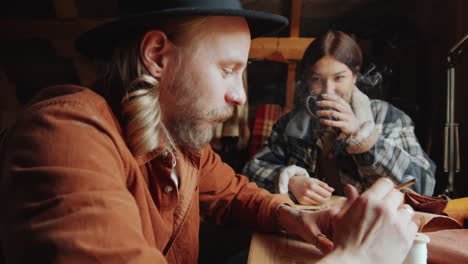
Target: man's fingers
{"points": [[412, 230], [379, 189], [323, 243], [413, 227], [406, 212], [351, 192], [394, 199], [351, 195]]}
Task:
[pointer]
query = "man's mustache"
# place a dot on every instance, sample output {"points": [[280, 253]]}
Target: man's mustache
{"points": [[221, 114]]}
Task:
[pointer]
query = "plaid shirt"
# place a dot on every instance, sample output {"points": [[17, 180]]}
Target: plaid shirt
{"points": [[396, 154]]}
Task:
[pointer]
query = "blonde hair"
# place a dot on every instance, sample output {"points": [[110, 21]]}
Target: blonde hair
{"points": [[140, 107]]}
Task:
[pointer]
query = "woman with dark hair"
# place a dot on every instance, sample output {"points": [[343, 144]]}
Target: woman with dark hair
{"points": [[336, 135]]}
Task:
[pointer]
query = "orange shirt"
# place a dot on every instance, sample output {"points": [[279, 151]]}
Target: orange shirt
{"points": [[72, 191]]}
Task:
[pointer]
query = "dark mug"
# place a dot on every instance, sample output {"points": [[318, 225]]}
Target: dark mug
{"points": [[312, 108]]}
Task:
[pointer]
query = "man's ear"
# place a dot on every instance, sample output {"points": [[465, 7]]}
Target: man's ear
{"points": [[154, 49]]}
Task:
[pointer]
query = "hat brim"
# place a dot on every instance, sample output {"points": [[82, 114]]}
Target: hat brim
{"points": [[96, 42]]}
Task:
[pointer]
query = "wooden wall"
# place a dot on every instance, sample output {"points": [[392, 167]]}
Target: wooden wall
{"points": [[443, 24]]}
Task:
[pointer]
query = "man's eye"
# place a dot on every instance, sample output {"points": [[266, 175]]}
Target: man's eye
{"points": [[340, 77], [314, 79]]}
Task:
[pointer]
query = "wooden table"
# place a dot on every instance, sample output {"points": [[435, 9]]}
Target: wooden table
{"points": [[274, 248]]}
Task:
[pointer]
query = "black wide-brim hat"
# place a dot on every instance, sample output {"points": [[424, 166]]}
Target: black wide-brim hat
{"points": [[98, 41]]}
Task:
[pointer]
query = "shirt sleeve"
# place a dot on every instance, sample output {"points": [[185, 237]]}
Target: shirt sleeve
{"points": [[265, 166], [397, 153], [64, 195], [226, 197]]}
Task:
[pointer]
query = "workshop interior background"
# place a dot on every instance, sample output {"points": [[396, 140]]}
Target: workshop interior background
{"points": [[407, 40]]}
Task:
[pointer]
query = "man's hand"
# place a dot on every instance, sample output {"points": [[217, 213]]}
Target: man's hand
{"points": [[312, 227], [370, 228], [309, 191], [374, 227], [341, 111]]}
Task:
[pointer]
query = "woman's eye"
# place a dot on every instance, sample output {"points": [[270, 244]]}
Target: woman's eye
{"points": [[314, 79], [340, 77], [228, 71]]}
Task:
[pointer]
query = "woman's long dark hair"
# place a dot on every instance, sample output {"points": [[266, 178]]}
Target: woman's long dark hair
{"points": [[335, 44]]}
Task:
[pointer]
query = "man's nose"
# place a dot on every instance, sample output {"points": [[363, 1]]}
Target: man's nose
{"points": [[236, 95]]}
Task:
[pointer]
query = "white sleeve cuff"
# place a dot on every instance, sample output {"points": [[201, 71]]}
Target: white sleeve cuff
{"points": [[286, 174]]}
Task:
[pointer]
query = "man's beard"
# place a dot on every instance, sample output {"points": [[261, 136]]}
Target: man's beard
{"points": [[194, 130], [190, 126]]}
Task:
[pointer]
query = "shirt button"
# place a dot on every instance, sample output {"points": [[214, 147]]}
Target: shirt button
{"points": [[168, 189]]}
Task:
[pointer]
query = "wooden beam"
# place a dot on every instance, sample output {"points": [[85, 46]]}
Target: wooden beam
{"points": [[85, 71], [296, 8], [291, 84], [64, 47], [46, 28], [295, 18], [289, 48], [65, 9]]}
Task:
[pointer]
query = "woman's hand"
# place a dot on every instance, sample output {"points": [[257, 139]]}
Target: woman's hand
{"points": [[309, 191], [341, 111]]}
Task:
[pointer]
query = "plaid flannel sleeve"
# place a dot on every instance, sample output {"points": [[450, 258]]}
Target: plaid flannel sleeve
{"points": [[266, 165], [397, 153]]}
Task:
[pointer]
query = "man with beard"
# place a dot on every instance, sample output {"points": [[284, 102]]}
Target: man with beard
{"points": [[122, 173]]}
